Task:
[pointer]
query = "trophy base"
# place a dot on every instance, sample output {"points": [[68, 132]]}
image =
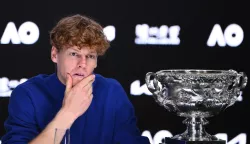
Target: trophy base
{"points": [[174, 141]]}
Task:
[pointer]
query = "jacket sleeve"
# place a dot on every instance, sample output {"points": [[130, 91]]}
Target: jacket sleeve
{"points": [[126, 130], [20, 125]]}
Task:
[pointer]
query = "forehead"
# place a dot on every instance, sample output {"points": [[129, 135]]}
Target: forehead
{"points": [[81, 49]]}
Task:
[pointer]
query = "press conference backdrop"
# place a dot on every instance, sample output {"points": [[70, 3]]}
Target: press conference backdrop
{"points": [[146, 36]]}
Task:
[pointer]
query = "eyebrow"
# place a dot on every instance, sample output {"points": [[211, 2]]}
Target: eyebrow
{"points": [[93, 52], [77, 50], [74, 49]]}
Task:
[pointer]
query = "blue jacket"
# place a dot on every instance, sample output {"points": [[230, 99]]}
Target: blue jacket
{"points": [[110, 119]]}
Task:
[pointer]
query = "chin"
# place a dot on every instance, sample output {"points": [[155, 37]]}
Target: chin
{"points": [[76, 81]]}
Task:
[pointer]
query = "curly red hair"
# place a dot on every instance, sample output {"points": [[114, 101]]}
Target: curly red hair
{"points": [[80, 31]]}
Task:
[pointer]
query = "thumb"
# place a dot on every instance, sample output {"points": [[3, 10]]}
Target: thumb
{"points": [[68, 83]]}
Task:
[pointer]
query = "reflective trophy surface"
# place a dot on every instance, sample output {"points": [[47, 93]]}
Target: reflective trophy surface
{"points": [[195, 95]]}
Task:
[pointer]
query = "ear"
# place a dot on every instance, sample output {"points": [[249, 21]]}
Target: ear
{"points": [[54, 54]]}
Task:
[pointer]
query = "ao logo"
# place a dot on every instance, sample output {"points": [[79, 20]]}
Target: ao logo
{"points": [[27, 33], [232, 36]]}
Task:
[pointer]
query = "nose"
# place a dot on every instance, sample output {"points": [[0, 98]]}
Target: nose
{"points": [[82, 62]]}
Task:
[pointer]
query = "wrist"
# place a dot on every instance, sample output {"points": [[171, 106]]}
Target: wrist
{"points": [[64, 119]]}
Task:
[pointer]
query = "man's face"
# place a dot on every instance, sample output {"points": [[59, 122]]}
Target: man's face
{"points": [[78, 63]]}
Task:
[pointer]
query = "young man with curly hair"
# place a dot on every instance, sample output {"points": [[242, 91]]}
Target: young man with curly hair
{"points": [[95, 109]]}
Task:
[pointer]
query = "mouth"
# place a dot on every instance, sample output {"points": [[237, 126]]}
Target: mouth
{"points": [[79, 75]]}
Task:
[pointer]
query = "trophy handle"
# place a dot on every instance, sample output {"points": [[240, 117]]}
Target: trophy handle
{"points": [[155, 89], [239, 83], [159, 93], [243, 82]]}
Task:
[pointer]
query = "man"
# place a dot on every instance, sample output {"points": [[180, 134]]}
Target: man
{"points": [[94, 108]]}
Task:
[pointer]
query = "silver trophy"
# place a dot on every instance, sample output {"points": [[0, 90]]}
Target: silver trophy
{"points": [[196, 95]]}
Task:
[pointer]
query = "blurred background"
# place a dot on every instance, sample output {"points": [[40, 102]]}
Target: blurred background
{"points": [[146, 36]]}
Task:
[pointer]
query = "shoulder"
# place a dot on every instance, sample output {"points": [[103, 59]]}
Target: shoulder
{"points": [[35, 80], [30, 85], [21, 97]]}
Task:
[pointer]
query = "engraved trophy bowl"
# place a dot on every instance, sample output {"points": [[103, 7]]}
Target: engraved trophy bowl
{"points": [[195, 95]]}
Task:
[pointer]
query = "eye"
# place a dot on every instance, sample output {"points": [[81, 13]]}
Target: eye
{"points": [[73, 54], [91, 56]]}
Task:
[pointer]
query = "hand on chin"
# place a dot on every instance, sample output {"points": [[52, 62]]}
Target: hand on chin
{"points": [[77, 79]]}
